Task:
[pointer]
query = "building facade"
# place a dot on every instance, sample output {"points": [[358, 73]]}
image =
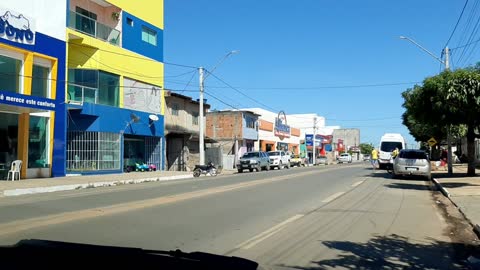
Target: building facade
{"points": [[115, 92], [32, 87], [182, 128], [347, 139], [275, 132], [235, 131]]}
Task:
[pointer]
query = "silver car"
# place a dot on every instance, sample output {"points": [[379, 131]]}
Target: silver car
{"points": [[412, 162]]}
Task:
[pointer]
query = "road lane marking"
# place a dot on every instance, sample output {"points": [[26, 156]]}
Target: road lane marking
{"points": [[333, 197], [358, 183], [17, 226], [268, 233]]}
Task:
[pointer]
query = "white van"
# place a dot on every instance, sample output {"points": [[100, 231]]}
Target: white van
{"points": [[388, 143]]}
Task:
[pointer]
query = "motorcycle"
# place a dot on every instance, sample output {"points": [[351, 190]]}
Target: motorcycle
{"points": [[205, 169]]}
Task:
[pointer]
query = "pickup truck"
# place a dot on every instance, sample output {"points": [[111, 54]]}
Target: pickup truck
{"points": [[279, 159], [296, 160], [253, 161]]}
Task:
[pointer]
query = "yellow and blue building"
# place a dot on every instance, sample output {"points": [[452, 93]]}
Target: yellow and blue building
{"points": [[115, 95], [81, 86], [32, 87]]}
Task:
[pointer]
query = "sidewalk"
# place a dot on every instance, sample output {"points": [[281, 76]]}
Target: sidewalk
{"points": [[463, 191], [42, 185]]}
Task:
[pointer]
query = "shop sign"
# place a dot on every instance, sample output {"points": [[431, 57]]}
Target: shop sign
{"points": [[281, 127], [26, 101], [16, 27], [309, 139], [324, 139]]}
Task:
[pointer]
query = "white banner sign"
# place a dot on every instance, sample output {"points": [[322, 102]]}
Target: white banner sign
{"points": [[16, 27]]}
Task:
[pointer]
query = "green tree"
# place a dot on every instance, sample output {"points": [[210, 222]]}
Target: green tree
{"points": [[366, 148], [463, 97], [450, 100]]}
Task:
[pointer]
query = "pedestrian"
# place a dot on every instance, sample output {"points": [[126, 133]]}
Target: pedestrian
{"points": [[395, 152], [374, 159]]}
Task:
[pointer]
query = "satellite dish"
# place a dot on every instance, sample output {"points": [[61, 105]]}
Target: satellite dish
{"points": [[135, 118], [153, 117]]}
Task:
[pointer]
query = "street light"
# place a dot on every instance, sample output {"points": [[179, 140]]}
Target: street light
{"points": [[202, 81], [446, 63]]}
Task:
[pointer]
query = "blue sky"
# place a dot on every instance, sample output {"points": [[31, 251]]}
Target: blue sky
{"points": [[305, 56]]}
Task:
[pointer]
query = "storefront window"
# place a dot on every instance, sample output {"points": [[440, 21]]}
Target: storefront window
{"points": [[93, 86], [10, 74], [108, 85], [134, 150], [8, 137], [40, 81], [91, 151], [38, 142]]}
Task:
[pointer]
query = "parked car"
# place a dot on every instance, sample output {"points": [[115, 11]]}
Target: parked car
{"points": [[253, 161], [321, 160], [279, 159], [345, 157], [296, 160], [412, 162], [366, 157]]}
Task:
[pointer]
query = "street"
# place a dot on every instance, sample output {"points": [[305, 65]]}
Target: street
{"points": [[304, 218]]}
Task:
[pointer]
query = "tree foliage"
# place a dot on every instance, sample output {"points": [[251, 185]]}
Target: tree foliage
{"points": [[366, 148], [450, 100]]}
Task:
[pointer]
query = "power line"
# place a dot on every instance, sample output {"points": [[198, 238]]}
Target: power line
{"points": [[320, 87], [179, 75], [465, 45], [456, 25], [221, 101], [470, 39], [362, 120], [76, 83], [243, 94], [134, 56], [468, 23]]}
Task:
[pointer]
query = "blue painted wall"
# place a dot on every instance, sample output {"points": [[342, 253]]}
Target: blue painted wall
{"points": [[56, 48], [101, 118], [132, 38]]}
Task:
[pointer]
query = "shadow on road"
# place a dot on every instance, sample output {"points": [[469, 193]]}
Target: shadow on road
{"points": [[457, 185], [392, 252], [409, 186]]}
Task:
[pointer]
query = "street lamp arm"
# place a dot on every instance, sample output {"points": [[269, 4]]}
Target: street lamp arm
{"points": [[220, 62], [423, 49]]}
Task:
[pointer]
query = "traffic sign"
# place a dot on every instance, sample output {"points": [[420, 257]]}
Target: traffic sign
{"points": [[432, 142]]}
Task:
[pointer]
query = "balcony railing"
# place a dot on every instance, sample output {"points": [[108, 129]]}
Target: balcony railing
{"points": [[78, 94], [93, 28]]}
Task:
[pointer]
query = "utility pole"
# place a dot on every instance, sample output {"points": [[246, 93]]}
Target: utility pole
{"points": [[447, 67], [314, 150], [201, 143], [449, 143]]}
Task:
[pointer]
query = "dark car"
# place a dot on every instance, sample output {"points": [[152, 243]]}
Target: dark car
{"points": [[254, 161]]}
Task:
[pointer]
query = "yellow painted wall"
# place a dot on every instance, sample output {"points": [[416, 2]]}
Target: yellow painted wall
{"points": [[148, 10], [92, 53]]}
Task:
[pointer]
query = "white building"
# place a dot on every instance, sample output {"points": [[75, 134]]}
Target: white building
{"points": [[276, 132]]}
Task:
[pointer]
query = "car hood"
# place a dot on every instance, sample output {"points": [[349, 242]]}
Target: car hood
{"points": [[53, 254]]}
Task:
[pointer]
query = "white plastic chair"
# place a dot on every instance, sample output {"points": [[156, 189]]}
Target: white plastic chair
{"points": [[15, 170]]}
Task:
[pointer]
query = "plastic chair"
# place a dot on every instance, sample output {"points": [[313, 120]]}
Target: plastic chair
{"points": [[15, 170]]}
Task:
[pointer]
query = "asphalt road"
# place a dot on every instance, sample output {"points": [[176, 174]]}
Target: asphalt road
{"points": [[305, 218]]}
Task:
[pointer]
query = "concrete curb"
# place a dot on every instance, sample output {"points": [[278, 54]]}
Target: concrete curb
{"points": [[36, 190], [441, 188], [476, 227]]}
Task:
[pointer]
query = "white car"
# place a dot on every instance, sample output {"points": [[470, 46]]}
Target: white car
{"points": [[279, 159], [345, 157]]}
